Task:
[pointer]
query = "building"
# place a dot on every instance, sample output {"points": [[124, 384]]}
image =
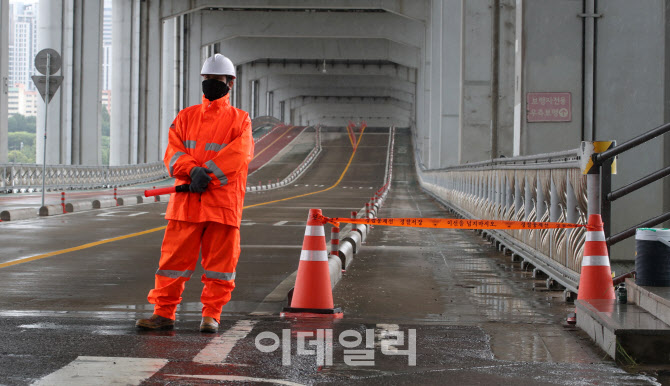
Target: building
{"points": [[22, 101], [107, 47], [107, 100], [23, 43]]}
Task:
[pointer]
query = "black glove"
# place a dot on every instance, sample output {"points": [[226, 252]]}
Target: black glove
{"points": [[199, 179]]}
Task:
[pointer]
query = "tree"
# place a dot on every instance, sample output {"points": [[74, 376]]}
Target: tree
{"points": [[19, 139], [19, 156], [105, 150], [105, 122], [18, 122]]}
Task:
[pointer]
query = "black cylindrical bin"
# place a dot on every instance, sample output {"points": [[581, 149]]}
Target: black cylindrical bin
{"points": [[652, 257]]}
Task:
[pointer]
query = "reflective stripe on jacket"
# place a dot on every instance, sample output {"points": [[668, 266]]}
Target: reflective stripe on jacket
{"points": [[217, 136]]}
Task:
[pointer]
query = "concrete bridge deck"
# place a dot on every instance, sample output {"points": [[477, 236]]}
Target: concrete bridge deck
{"points": [[478, 318]]}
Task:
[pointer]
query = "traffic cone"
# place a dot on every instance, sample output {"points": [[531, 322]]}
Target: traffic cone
{"points": [[313, 294], [595, 281]]}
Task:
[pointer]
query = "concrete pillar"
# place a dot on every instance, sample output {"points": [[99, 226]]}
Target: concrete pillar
{"points": [[476, 64], [505, 78], [86, 82], [4, 74], [450, 83], [149, 132], [196, 56], [435, 99], [169, 71], [125, 67], [53, 21], [73, 28]]}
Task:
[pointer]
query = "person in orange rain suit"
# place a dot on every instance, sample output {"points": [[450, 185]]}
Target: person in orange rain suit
{"points": [[210, 147]]}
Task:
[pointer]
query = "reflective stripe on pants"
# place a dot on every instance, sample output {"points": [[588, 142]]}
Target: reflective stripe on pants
{"points": [[182, 243]]}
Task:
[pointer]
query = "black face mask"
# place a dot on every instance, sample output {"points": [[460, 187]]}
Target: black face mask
{"points": [[214, 89]]}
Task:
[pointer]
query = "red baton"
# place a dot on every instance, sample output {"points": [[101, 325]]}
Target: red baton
{"points": [[168, 190]]}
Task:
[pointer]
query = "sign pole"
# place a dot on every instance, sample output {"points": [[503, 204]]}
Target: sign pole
{"points": [[46, 114]]}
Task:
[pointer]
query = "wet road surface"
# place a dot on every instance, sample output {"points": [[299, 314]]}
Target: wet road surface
{"points": [[420, 306]]}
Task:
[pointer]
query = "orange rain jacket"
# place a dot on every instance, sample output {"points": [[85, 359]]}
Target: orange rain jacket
{"points": [[217, 136]]}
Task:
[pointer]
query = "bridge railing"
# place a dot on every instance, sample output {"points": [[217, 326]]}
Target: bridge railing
{"points": [[17, 177], [546, 187]]}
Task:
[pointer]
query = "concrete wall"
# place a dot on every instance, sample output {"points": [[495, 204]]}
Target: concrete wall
{"points": [[631, 98], [550, 60]]}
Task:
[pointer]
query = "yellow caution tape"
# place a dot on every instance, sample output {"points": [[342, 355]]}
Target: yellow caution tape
{"points": [[448, 223]]}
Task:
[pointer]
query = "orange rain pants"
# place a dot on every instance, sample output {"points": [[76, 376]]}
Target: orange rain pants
{"points": [[182, 243]]}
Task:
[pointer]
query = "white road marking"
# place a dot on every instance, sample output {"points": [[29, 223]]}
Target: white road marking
{"points": [[87, 371], [236, 378], [216, 352], [279, 223], [120, 213]]}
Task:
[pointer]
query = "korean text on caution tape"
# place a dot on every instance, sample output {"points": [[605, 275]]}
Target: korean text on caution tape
{"points": [[449, 223]]}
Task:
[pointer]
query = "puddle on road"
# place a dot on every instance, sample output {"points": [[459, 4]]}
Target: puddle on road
{"points": [[47, 325], [525, 320]]}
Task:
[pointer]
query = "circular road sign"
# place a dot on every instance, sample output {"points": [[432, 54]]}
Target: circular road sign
{"points": [[41, 61]]}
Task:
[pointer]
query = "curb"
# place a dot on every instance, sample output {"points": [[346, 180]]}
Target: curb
{"points": [[18, 214]]}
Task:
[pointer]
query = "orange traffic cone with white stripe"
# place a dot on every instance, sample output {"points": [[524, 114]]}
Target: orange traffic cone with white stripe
{"points": [[313, 295], [595, 281]]}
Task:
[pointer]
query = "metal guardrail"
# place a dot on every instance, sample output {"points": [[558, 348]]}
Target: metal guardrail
{"points": [[600, 183], [20, 177], [298, 171], [546, 187]]}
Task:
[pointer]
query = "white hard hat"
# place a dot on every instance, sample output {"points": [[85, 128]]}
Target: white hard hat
{"points": [[218, 65]]}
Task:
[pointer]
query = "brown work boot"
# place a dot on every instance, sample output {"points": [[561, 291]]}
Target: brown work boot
{"points": [[209, 324], [155, 322]]}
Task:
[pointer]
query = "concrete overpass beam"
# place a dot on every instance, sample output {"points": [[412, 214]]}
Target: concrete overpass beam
{"points": [[247, 49], [411, 9], [226, 24]]}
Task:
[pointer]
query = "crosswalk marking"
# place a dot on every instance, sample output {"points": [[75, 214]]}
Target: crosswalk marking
{"points": [[218, 349], [87, 371]]}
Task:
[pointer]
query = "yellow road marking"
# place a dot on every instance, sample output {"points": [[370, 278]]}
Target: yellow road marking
{"points": [[273, 142], [319, 191], [96, 243], [73, 249]]}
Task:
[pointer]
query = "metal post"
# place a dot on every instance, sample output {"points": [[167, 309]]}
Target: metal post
{"points": [[593, 190], [605, 189], [46, 114], [517, 193], [554, 214], [570, 216]]}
